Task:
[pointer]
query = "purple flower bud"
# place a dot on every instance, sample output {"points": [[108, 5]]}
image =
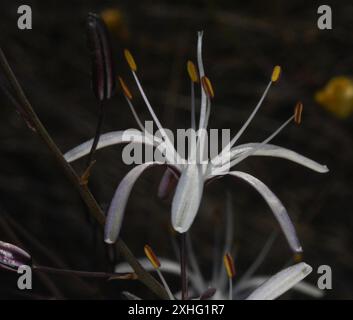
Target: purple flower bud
{"points": [[103, 75], [11, 257]]}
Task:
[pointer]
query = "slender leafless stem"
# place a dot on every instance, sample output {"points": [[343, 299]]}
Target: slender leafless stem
{"points": [[183, 263], [97, 134], [86, 274], [83, 189]]}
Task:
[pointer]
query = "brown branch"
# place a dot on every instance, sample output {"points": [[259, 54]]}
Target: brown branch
{"points": [[83, 190]]}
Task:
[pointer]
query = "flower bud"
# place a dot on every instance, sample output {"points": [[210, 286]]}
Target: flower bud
{"points": [[12, 257], [103, 77]]}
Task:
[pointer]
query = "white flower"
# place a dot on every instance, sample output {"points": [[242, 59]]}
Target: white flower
{"points": [[193, 174], [220, 287]]}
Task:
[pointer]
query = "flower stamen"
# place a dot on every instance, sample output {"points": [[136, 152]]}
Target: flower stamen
{"points": [[207, 86], [156, 265], [133, 68], [124, 87], [298, 113], [229, 266], [259, 146], [128, 97], [152, 257], [130, 60], [192, 71], [274, 77], [191, 68], [276, 73]]}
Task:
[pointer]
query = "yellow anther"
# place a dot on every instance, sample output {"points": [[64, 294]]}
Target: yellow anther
{"points": [[276, 73], [298, 257], [125, 89], [229, 265], [130, 60], [207, 86], [298, 112], [152, 257], [192, 71]]}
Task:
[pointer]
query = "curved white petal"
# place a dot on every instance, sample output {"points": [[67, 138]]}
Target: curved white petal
{"points": [[187, 197], [119, 201], [281, 282], [270, 150], [302, 287], [276, 206], [130, 296], [108, 139]]}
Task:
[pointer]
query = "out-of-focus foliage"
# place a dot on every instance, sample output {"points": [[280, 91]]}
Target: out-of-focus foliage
{"points": [[115, 21]]}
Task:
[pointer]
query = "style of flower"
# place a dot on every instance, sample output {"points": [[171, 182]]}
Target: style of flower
{"points": [[192, 174]]}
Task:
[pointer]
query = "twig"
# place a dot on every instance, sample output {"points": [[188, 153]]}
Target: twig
{"points": [[86, 274], [96, 135], [83, 190]]}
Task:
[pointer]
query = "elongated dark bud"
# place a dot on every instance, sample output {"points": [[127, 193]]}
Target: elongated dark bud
{"points": [[103, 75]]}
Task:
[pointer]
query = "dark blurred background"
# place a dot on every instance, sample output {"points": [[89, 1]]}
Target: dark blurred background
{"points": [[243, 40]]}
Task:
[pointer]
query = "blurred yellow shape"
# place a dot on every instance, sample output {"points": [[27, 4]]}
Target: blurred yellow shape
{"points": [[115, 22], [337, 96], [298, 257]]}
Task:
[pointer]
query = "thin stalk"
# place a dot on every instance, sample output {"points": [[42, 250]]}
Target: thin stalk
{"points": [[97, 134], [85, 274], [230, 294], [183, 263], [165, 284], [83, 190], [193, 111]]}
